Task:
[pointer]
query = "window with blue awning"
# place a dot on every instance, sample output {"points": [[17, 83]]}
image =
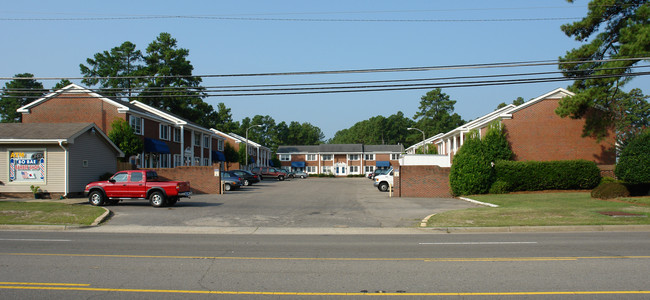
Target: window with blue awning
{"points": [[155, 146], [297, 164], [382, 163], [218, 156]]}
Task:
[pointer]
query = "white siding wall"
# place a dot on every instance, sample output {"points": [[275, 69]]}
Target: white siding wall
{"points": [[54, 169]]}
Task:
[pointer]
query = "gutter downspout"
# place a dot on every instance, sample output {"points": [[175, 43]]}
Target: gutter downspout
{"points": [[65, 178]]}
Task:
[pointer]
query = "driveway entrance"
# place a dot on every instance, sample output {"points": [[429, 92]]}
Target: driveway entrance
{"points": [[312, 202]]}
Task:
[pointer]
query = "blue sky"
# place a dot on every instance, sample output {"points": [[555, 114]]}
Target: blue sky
{"points": [[244, 37]]}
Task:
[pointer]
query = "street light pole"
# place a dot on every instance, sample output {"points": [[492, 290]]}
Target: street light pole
{"points": [[423, 138], [247, 142]]}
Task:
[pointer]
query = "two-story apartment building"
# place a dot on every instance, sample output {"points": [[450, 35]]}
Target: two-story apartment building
{"points": [[169, 140], [535, 132], [339, 159], [258, 155]]}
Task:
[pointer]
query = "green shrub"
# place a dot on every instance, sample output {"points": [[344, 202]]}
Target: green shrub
{"points": [[499, 187], [610, 190], [549, 175], [471, 172], [634, 163], [608, 180]]}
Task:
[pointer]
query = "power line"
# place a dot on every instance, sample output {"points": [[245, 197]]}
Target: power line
{"points": [[352, 71]]}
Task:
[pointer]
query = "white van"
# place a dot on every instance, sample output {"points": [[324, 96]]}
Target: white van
{"points": [[385, 181]]}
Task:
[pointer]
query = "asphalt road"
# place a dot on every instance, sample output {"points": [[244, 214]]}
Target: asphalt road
{"points": [[84, 265], [296, 203]]}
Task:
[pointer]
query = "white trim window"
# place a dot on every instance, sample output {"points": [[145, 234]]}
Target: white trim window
{"points": [[394, 156], [163, 132], [220, 144], [368, 169], [164, 160], [197, 139], [326, 157], [285, 157], [178, 160], [311, 169], [206, 141], [136, 124], [177, 135], [327, 170], [197, 161], [353, 156], [206, 161], [368, 157], [312, 157], [353, 170]]}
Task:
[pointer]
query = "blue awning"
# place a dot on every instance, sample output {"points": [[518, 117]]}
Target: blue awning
{"points": [[218, 156], [297, 164], [382, 163], [155, 146]]}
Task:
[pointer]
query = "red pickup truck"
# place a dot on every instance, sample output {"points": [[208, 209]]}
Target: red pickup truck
{"points": [[137, 184]]}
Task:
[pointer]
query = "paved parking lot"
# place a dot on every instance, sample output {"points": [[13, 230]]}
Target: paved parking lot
{"points": [[312, 202]]}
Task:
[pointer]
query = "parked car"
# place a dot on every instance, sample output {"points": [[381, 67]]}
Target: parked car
{"points": [[301, 174], [290, 174], [248, 177], [383, 182], [270, 172], [137, 184], [230, 181]]}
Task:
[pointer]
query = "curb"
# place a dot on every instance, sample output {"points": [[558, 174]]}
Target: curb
{"points": [[101, 218]]}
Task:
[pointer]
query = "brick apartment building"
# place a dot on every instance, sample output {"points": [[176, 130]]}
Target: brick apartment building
{"points": [[258, 155], [169, 140], [339, 159]]}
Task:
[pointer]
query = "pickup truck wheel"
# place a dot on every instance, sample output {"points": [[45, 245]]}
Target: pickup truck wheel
{"points": [[157, 199], [227, 187], [96, 198], [281, 178], [383, 186]]}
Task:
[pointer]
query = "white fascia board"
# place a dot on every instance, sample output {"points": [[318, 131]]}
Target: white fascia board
{"points": [[33, 141], [169, 118], [72, 88]]}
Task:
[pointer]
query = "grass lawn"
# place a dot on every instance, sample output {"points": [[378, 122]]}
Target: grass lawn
{"points": [[545, 209], [47, 213]]}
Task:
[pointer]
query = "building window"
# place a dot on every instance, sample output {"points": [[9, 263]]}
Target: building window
{"points": [[206, 161], [311, 157], [394, 156], [285, 157], [197, 139], [27, 166], [311, 169], [326, 157], [368, 157], [197, 161], [326, 170], [220, 145], [353, 156], [164, 132], [206, 141], [177, 135], [354, 169], [368, 169], [164, 160], [178, 160], [136, 124]]}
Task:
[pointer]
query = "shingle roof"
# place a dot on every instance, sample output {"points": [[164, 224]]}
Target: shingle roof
{"points": [[384, 148], [47, 131]]}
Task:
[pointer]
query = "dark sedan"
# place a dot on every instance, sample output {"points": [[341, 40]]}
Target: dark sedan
{"points": [[230, 181], [247, 177]]}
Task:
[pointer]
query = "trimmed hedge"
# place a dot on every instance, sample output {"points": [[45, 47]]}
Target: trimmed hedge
{"points": [[548, 175], [610, 190], [634, 164]]}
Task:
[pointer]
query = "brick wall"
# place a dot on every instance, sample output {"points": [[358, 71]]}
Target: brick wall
{"points": [[537, 133], [422, 181], [202, 179], [80, 108]]}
